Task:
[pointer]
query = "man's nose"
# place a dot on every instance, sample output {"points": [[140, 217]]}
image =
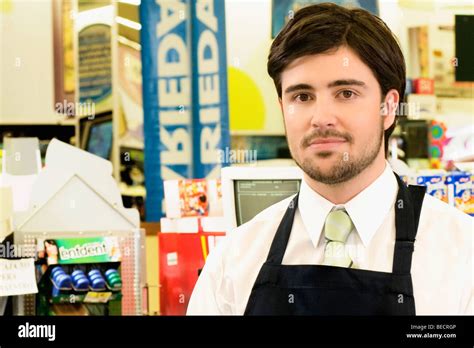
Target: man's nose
{"points": [[323, 114]]}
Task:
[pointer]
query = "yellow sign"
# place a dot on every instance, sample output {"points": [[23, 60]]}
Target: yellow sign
{"points": [[246, 104], [6, 6]]}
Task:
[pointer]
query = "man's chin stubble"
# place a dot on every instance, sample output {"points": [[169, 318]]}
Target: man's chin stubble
{"points": [[337, 174]]}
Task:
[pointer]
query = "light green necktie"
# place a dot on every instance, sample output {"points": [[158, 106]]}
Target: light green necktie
{"points": [[337, 227]]}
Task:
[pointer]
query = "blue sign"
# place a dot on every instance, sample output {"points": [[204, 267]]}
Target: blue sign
{"points": [[209, 76], [166, 70]]}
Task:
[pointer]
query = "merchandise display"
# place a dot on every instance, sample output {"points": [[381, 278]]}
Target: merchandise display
{"points": [[454, 188], [436, 185], [461, 191], [79, 271]]}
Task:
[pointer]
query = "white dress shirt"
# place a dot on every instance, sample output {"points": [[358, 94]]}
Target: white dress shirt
{"points": [[442, 271]]}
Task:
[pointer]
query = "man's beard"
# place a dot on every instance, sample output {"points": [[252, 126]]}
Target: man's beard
{"points": [[346, 168]]}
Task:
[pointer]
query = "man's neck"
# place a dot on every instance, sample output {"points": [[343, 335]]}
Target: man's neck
{"points": [[344, 192]]}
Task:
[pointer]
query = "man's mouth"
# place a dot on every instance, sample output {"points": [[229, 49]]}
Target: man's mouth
{"points": [[326, 143]]}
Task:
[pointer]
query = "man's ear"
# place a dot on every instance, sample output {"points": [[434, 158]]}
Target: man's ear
{"points": [[389, 108]]}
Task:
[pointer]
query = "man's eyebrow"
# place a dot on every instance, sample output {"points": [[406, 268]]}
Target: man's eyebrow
{"points": [[349, 82], [336, 83], [299, 87]]}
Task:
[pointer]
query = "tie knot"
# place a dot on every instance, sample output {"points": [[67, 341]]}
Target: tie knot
{"points": [[338, 225]]}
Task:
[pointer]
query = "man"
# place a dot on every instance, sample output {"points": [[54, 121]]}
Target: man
{"points": [[346, 243]]}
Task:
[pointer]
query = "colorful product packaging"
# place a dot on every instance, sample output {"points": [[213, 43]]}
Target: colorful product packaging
{"points": [[435, 186], [424, 86], [460, 192], [192, 198]]}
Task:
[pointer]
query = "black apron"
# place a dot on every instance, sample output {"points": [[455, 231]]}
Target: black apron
{"points": [[327, 290]]}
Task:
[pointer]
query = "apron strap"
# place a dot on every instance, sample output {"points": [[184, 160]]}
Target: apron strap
{"points": [[282, 236], [407, 216]]}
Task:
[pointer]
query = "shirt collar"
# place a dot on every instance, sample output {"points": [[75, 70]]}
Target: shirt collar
{"points": [[367, 210]]}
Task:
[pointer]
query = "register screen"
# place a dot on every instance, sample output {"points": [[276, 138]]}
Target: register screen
{"points": [[253, 196]]}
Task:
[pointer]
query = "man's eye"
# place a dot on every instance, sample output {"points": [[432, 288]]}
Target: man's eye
{"points": [[302, 97], [347, 94]]}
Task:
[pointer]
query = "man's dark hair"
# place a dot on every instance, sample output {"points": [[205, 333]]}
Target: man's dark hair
{"points": [[324, 27]]}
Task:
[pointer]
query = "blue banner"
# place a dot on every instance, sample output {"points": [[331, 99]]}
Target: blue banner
{"points": [[166, 70], [209, 81]]}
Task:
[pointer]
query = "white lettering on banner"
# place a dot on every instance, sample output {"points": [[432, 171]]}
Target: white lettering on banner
{"points": [[209, 91], [173, 141], [205, 13], [209, 115], [174, 89], [174, 117], [207, 66], [175, 44], [170, 18], [169, 174], [209, 142], [170, 94]]}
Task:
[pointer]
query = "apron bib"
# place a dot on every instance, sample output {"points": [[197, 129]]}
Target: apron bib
{"points": [[327, 290]]}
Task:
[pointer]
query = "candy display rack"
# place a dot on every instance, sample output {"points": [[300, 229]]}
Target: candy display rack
{"points": [[132, 269]]}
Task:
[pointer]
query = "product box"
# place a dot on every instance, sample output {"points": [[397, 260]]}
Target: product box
{"points": [[79, 271], [424, 86], [193, 197], [435, 186], [80, 250], [460, 192], [181, 258]]}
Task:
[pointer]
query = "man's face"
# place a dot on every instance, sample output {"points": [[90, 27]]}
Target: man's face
{"points": [[331, 106]]}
